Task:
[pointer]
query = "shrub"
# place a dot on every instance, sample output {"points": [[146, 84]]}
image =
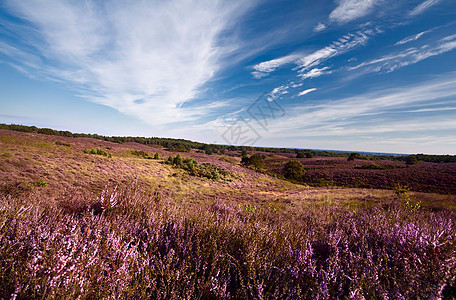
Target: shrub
{"points": [[97, 151], [293, 170], [178, 161], [256, 161], [300, 155], [156, 155]]}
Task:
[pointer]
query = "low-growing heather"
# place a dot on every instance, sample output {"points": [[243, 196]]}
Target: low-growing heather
{"points": [[126, 243]]}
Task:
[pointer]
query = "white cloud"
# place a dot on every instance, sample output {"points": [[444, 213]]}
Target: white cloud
{"points": [[341, 46], [349, 10], [423, 6], [264, 68], [345, 115], [392, 62], [319, 27], [305, 92], [315, 73], [142, 58], [412, 38], [305, 62]]}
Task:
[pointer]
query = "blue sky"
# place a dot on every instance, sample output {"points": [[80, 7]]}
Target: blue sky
{"points": [[364, 75]]}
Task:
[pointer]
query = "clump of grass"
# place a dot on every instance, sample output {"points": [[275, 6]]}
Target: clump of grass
{"points": [[97, 151], [143, 246], [41, 183]]}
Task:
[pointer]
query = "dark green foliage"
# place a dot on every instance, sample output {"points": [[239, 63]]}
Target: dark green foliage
{"points": [[411, 160], [170, 160], [353, 156], [256, 161], [178, 161], [179, 147], [156, 155], [293, 170], [206, 170], [208, 149], [304, 154]]}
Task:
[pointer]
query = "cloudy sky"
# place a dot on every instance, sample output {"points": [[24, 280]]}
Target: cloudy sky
{"points": [[361, 75]]}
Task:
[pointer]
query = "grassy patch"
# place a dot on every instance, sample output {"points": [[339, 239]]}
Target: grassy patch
{"points": [[97, 151]]}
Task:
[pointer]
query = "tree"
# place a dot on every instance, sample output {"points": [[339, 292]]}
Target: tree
{"points": [[294, 170], [300, 155], [353, 156], [256, 160], [411, 160], [156, 156]]}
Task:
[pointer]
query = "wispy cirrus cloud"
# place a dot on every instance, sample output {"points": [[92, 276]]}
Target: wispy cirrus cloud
{"points": [[305, 92], [305, 62], [320, 27], [412, 38], [391, 62], [423, 6], [349, 10], [264, 68], [315, 73], [349, 113], [141, 58]]}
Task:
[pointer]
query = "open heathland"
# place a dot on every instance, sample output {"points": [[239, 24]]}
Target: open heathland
{"points": [[87, 218]]}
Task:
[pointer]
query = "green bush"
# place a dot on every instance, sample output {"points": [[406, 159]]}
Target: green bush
{"points": [[411, 160], [97, 151], [156, 155], [300, 155], [293, 170], [256, 161]]}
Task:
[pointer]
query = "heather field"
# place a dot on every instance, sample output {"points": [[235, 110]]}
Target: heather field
{"points": [[91, 219]]}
